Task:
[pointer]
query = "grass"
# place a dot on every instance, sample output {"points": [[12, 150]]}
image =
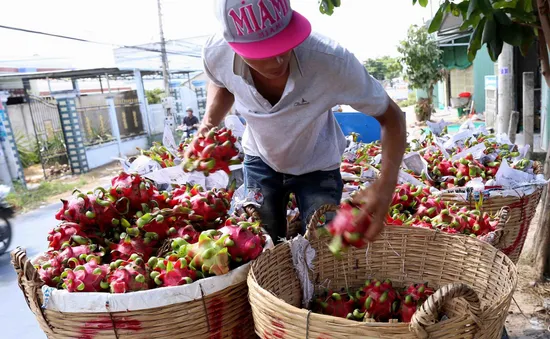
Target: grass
{"points": [[25, 200], [411, 100]]}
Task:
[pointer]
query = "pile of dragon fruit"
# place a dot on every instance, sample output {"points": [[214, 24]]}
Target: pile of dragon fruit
{"points": [[412, 206], [447, 166], [131, 237], [215, 152], [160, 154], [377, 300]]}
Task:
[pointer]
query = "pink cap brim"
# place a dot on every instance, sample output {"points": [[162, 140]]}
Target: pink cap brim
{"points": [[297, 31]]}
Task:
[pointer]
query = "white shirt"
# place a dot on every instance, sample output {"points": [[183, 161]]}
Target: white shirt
{"points": [[299, 134]]}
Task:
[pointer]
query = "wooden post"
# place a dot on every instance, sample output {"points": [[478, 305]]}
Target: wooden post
{"points": [[513, 127], [529, 111]]}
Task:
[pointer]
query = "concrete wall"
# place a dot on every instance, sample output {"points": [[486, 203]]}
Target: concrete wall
{"points": [[156, 118], [103, 154], [462, 80], [21, 121], [483, 65]]}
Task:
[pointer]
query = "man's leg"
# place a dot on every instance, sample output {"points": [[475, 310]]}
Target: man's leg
{"points": [[265, 186], [316, 189]]}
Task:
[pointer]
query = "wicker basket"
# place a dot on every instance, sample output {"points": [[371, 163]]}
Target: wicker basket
{"points": [[476, 284], [223, 314], [522, 209]]}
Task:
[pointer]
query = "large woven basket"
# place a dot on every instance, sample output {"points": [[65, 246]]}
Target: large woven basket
{"points": [[476, 284], [522, 209], [223, 314]]}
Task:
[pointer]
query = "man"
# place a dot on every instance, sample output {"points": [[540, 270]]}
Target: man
{"points": [[284, 80], [190, 123]]}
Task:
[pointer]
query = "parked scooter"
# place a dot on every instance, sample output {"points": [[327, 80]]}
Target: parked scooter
{"points": [[6, 213]]}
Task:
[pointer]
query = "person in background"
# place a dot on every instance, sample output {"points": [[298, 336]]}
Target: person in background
{"points": [[190, 124], [285, 80]]}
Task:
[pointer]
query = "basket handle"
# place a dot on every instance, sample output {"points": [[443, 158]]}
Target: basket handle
{"points": [[315, 218], [427, 314], [25, 270]]}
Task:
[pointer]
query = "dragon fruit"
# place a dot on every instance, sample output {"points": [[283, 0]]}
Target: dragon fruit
{"points": [[212, 153], [171, 271], [78, 255], [187, 232], [128, 275], [128, 246], [133, 187], [379, 300], [66, 233], [158, 222], [335, 304], [246, 242], [50, 269], [92, 209], [89, 277], [345, 231], [412, 298], [210, 255]]}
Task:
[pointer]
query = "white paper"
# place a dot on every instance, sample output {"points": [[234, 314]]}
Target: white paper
{"points": [[439, 142], [63, 301], [141, 165], [414, 162], [455, 138], [219, 180], [437, 127], [405, 177], [168, 140], [476, 151]]}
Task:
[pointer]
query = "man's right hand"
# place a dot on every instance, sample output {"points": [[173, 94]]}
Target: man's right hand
{"points": [[202, 131]]}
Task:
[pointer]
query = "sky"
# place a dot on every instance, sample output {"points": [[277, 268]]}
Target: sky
{"points": [[369, 28]]}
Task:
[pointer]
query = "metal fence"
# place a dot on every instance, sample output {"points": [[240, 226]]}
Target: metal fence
{"points": [[95, 117]]}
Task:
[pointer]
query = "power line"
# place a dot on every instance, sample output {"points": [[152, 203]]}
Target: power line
{"points": [[89, 41]]}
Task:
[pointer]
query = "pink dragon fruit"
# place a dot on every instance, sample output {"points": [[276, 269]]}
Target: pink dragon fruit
{"points": [[187, 232], [171, 271], [128, 276], [129, 246], [246, 242], [78, 255], [66, 233], [134, 187], [90, 277], [210, 255], [50, 270]]}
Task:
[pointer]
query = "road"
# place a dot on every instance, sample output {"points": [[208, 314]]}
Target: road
{"points": [[29, 232]]}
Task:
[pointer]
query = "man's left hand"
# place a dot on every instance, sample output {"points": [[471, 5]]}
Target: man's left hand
{"points": [[375, 202]]}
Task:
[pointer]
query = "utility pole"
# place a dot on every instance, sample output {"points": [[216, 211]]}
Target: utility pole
{"points": [[529, 111], [163, 53], [505, 88]]}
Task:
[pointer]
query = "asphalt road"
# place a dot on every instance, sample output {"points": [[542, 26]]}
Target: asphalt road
{"points": [[29, 232]]}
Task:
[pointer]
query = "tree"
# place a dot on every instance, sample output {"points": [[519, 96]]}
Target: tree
{"points": [[424, 67], [384, 68], [154, 96]]}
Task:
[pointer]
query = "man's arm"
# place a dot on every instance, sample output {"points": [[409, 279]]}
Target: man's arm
{"points": [[218, 103]]}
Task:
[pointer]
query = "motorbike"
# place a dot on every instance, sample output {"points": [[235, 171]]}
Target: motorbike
{"points": [[6, 213]]}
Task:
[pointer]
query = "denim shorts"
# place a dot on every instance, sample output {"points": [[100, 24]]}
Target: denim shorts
{"points": [[271, 190]]}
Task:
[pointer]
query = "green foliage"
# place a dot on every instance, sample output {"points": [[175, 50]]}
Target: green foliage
{"points": [[422, 57], [154, 96], [24, 199], [411, 100], [327, 6], [28, 151], [493, 23], [384, 68]]}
